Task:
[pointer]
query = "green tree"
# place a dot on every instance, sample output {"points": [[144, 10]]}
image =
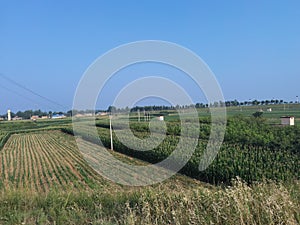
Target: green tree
{"points": [[257, 114], [112, 109]]}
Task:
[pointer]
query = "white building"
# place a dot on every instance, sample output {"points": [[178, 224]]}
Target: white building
{"points": [[287, 120], [58, 116], [161, 118]]}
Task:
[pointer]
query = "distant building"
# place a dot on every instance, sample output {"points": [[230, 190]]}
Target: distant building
{"points": [[34, 118], [102, 114], [269, 110], [44, 117], [58, 116], [79, 115], [1, 118], [84, 115], [287, 120], [17, 118], [161, 118]]}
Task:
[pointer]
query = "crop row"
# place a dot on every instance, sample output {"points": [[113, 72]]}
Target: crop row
{"points": [[4, 136], [44, 160], [250, 131], [251, 163]]}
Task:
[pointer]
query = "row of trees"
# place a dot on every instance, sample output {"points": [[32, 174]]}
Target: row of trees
{"points": [[255, 102], [29, 113], [250, 103], [203, 105]]}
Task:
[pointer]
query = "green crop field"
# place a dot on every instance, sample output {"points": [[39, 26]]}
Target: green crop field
{"points": [[44, 178], [272, 117]]}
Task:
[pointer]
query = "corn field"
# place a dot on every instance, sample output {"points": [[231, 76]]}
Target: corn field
{"points": [[249, 162]]}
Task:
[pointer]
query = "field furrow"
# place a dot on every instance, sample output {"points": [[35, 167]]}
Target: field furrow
{"points": [[42, 161]]}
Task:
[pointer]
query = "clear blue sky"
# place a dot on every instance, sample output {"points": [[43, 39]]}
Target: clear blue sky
{"points": [[253, 47]]}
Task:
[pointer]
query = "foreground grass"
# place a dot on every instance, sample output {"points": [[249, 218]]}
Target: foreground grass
{"points": [[263, 203]]}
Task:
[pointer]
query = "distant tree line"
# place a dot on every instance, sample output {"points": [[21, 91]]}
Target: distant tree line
{"points": [[28, 113], [201, 105], [249, 103]]}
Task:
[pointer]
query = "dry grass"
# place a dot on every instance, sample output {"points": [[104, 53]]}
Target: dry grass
{"points": [[263, 203]]}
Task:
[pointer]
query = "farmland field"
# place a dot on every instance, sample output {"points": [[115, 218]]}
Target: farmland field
{"points": [[44, 179], [45, 160], [41, 161], [252, 150]]}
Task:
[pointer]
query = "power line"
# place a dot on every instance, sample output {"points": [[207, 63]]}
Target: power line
{"points": [[31, 91], [22, 96]]}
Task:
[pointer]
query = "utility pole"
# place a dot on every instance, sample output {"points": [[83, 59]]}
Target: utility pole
{"points": [[111, 137]]}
